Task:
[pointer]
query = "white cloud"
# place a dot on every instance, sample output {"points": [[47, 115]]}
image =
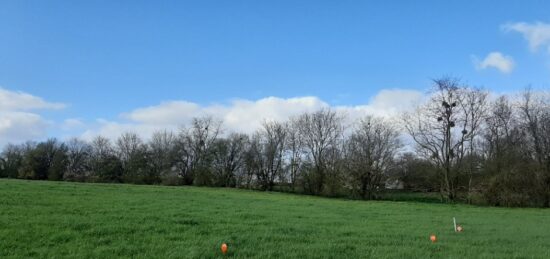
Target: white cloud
{"points": [[72, 124], [497, 60], [112, 129], [387, 103], [537, 34], [166, 112], [391, 101], [246, 115], [21, 126], [16, 123], [20, 101]]}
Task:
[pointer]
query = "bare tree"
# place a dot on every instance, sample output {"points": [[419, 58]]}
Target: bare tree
{"points": [[370, 151], [46, 161], [11, 158], [271, 147], [105, 164], [294, 153], [162, 152], [228, 157], [127, 146], [535, 110], [500, 135], [195, 149], [252, 161], [321, 133], [132, 152], [443, 127], [509, 178], [474, 107], [78, 156], [101, 147]]}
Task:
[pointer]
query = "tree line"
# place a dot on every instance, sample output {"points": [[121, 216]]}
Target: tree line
{"points": [[468, 147]]}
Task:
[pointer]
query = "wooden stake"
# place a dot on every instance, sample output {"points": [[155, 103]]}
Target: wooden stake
{"points": [[454, 221]]}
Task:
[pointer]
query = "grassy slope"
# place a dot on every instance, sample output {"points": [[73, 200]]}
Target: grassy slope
{"points": [[56, 219]]}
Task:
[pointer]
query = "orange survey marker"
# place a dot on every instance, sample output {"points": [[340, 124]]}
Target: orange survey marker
{"points": [[224, 248]]}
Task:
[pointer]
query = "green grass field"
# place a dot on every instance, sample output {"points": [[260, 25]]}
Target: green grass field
{"points": [[74, 220]]}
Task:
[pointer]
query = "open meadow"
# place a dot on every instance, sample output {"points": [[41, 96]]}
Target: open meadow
{"points": [[77, 220]]}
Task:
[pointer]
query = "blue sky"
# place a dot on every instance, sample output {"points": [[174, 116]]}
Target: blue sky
{"points": [[106, 59]]}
